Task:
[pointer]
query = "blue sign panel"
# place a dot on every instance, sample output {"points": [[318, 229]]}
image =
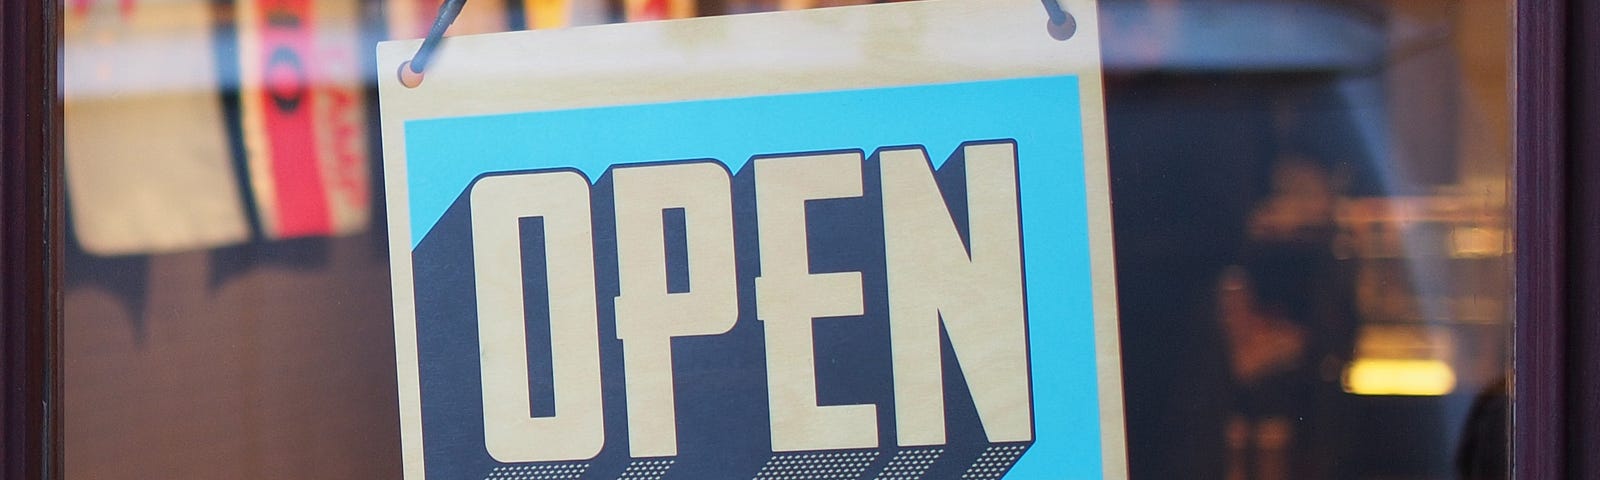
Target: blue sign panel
{"points": [[888, 283]]}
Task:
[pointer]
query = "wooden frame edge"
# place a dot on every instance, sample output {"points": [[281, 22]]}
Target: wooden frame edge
{"points": [[1583, 234], [1540, 185], [30, 239]]}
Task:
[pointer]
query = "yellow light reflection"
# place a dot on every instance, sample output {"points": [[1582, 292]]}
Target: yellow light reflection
{"points": [[1399, 377]]}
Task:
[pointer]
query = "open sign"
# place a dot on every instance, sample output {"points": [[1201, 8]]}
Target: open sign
{"points": [[966, 283], [845, 278]]}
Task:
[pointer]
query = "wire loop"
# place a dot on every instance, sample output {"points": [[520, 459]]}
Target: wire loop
{"points": [[448, 11]]}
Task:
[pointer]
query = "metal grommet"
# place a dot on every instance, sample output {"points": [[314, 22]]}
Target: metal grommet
{"points": [[1062, 25], [1063, 30], [409, 77]]}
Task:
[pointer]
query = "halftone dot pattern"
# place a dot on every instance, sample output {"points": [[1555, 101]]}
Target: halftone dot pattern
{"points": [[817, 466], [910, 464], [995, 462], [647, 469], [548, 471]]}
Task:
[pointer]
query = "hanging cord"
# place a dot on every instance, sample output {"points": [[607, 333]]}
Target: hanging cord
{"points": [[411, 72], [1062, 26]]}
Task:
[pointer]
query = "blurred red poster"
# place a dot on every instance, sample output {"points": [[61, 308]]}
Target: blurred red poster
{"points": [[646, 10], [304, 116]]}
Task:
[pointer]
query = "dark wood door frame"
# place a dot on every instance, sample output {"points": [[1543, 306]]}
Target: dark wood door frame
{"points": [[1540, 218], [30, 234], [1556, 404], [1581, 419]]}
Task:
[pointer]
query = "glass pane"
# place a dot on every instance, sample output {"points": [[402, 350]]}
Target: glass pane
{"points": [[1311, 216], [1310, 204]]}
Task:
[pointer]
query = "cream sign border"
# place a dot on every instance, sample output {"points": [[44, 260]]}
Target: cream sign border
{"points": [[932, 41]]}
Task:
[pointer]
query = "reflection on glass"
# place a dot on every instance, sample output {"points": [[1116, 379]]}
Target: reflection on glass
{"points": [[1309, 196], [1311, 216]]}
